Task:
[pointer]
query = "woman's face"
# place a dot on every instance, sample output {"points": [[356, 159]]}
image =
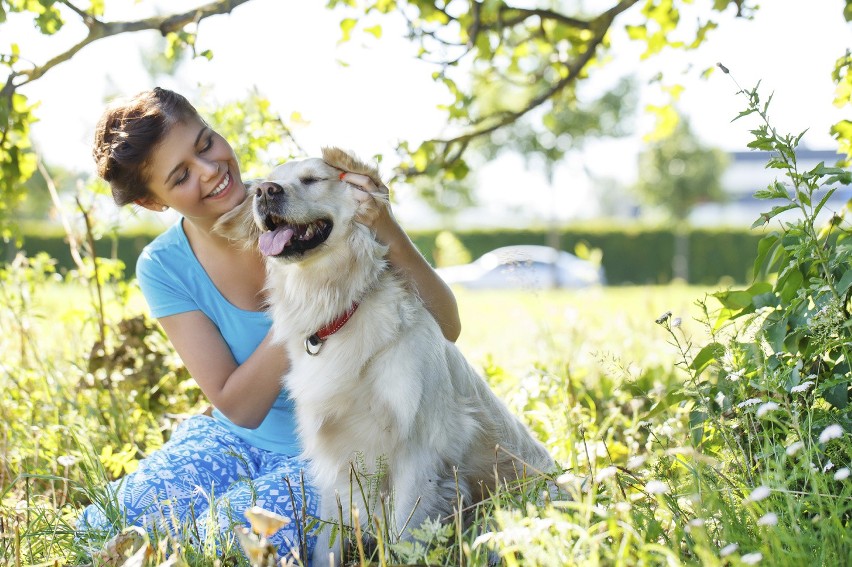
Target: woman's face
{"points": [[194, 171]]}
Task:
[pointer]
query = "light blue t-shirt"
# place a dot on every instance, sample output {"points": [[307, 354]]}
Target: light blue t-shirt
{"points": [[173, 281]]}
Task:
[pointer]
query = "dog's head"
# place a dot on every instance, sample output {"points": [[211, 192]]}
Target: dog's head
{"points": [[299, 207]]}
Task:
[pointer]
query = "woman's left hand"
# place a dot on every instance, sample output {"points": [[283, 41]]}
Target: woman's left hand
{"points": [[374, 208]]}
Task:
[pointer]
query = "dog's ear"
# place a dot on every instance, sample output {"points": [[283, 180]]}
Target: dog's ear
{"points": [[237, 225], [341, 159]]}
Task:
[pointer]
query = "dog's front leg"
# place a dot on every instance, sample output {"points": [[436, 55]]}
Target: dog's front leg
{"points": [[423, 493]]}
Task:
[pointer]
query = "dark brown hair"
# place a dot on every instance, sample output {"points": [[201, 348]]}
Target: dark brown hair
{"points": [[127, 133]]}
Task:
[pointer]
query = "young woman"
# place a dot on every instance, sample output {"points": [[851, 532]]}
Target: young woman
{"points": [[155, 151]]}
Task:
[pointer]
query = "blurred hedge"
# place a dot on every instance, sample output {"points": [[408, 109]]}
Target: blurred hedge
{"points": [[631, 254]]}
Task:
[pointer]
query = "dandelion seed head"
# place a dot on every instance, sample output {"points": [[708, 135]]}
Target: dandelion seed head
{"points": [[833, 431], [842, 474], [794, 448], [766, 408], [622, 507], [759, 494], [66, 460], [729, 549], [768, 519], [656, 487], [752, 558], [636, 461], [803, 387], [605, 473]]}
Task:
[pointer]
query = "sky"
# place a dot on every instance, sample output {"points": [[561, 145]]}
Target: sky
{"points": [[368, 94]]}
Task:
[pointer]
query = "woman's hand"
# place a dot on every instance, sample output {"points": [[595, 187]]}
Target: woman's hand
{"points": [[374, 208], [374, 212]]}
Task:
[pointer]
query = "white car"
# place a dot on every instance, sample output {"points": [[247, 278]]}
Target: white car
{"points": [[524, 267]]}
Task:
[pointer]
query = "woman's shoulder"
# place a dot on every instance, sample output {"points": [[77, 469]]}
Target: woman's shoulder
{"points": [[168, 249]]}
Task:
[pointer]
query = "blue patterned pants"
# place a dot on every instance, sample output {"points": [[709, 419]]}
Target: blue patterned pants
{"points": [[204, 478]]}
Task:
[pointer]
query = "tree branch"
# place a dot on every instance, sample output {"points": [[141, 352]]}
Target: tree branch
{"points": [[100, 30], [521, 14], [601, 24]]}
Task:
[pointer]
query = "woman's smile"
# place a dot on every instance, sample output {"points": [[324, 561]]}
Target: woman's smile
{"points": [[222, 188]]}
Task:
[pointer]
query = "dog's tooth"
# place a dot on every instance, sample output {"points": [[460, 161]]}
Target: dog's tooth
{"points": [[309, 232]]}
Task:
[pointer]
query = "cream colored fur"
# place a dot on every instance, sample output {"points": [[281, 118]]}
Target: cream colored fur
{"points": [[387, 387]]}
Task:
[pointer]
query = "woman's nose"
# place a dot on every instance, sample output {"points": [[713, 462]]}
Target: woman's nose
{"points": [[209, 168]]}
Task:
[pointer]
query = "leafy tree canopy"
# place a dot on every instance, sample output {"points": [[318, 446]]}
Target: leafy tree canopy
{"points": [[512, 71], [678, 172]]}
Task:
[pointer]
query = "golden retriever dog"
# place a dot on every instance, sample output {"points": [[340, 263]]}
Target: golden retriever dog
{"points": [[378, 390]]}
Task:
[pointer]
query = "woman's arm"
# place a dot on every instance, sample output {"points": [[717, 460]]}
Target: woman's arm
{"points": [[437, 296], [244, 393]]}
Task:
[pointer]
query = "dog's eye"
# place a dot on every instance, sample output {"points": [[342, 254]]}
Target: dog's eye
{"points": [[308, 180]]}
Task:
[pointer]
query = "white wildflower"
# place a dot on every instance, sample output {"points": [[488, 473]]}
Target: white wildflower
{"points": [[833, 431], [736, 375], [794, 448], [828, 466], [696, 522], [569, 480], [768, 519], [842, 474], [676, 322], [663, 318], [656, 487], [636, 461], [720, 399], [803, 387], [758, 494], [749, 402], [66, 460], [766, 408], [729, 549], [605, 473], [752, 558]]}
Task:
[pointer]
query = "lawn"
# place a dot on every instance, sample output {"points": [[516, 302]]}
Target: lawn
{"points": [[643, 479]]}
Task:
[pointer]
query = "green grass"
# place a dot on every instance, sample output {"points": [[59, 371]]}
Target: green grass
{"points": [[589, 370]]}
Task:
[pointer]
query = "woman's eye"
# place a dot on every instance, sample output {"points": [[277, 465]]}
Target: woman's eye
{"points": [[208, 144], [183, 177]]}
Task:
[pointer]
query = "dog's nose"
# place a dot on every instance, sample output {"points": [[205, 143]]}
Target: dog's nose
{"points": [[268, 188]]}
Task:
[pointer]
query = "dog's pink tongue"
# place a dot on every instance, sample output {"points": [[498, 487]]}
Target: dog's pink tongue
{"points": [[272, 243]]}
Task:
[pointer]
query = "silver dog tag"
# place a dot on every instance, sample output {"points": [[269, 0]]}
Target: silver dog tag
{"points": [[313, 344]]}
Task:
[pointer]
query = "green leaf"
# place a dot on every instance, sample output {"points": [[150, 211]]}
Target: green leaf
{"points": [[838, 395], [346, 26], [671, 399], [696, 426], [375, 31], [706, 356], [845, 282], [775, 328]]}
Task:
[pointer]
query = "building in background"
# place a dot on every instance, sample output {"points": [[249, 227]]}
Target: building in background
{"points": [[747, 173]]}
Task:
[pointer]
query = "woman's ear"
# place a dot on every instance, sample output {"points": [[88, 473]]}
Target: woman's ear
{"points": [[151, 204]]}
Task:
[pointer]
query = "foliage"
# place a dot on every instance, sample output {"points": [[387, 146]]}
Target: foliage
{"points": [[678, 172], [770, 390], [535, 56], [632, 254], [17, 112]]}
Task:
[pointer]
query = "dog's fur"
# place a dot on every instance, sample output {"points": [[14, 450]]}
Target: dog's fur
{"points": [[387, 387]]}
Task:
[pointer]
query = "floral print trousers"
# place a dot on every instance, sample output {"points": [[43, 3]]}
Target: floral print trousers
{"points": [[203, 479]]}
